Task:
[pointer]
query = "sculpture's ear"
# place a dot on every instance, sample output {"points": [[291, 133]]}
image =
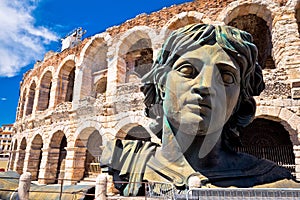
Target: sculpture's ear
{"points": [[246, 112]]}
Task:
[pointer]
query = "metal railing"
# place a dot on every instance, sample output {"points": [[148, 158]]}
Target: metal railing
{"points": [[243, 193], [159, 190], [9, 190], [153, 190]]}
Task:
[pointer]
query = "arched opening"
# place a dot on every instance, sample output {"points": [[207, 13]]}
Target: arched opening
{"points": [[268, 139], [44, 93], [138, 59], [30, 101], [57, 156], [95, 55], [182, 21], [93, 154], [13, 155], [262, 38], [66, 80], [90, 139], [22, 103], [35, 157], [21, 157], [138, 133], [95, 64], [101, 86], [60, 172], [70, 87]]}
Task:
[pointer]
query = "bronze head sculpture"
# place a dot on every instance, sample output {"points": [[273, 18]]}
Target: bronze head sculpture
{"points": [[200, 90], [240, 50]]}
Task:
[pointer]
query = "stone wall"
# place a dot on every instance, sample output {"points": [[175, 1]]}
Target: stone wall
{"points": [[105, 100]]}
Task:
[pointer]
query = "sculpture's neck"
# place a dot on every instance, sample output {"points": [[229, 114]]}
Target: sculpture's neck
{"points": [[205, 152], [200, 151]]}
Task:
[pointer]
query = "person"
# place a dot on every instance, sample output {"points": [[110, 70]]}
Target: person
{"points": [[200, 91]]}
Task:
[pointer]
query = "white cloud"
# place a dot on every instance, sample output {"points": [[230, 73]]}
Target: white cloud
{"points": [[21, 42]]}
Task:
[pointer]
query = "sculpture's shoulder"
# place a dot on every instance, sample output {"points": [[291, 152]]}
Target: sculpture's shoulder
{"points": [[250, 171], [126, 161], [117, 150], [284, 183], [267, 169]]}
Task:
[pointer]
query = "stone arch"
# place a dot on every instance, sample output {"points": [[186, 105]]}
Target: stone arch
{"points": [[87, 125], [44, 91], [30, 98], [21, 156], [65, 82], [138, 132], [267, 138], [90, 139], [62, 64], [256, 19], [57, 156], [35, 156], [135, 124], [290, 122], [135, 53], [264, 9], [287, 118], [181, 20], [22, 104], [94, 53], [93, 62], [59, 128]]}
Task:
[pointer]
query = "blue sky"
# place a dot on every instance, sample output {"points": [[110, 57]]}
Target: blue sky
{"points": [[30, 28]]}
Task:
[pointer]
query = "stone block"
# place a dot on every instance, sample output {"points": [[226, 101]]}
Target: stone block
{"points": [[285, 114], [294, 121], [274, 111], [295, 93]]}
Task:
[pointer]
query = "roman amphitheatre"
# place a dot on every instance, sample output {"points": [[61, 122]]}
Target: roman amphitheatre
{"points": [[72, 102]]}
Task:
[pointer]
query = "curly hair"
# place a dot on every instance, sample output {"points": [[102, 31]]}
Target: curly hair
{"points": [[236, 43]]}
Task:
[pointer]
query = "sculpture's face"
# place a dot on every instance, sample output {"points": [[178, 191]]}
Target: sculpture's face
{"points": [[201, 90]]}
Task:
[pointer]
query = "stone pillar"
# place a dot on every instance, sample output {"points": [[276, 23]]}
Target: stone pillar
{"points": [[78, 84], [53, 94], [19, 164], [24, 186], [32, 162], [48, 166], [111, 190], [297, 160], [74, 168], [14, 164], [12, 160], [26, 159], [101, 185], [35, 101], [116, 73]]}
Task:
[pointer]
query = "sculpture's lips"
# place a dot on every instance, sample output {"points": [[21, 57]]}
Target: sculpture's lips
{"points": [[198, 105]]}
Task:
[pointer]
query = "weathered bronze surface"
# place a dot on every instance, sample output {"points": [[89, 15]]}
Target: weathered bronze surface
{"points": [[200, 91]]}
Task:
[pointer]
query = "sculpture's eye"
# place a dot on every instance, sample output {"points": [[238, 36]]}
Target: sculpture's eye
{"points": [[227, 77], [186, 70]]}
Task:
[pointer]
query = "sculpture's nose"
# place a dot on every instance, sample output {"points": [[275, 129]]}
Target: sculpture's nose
{"points": [[203, 83]]}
